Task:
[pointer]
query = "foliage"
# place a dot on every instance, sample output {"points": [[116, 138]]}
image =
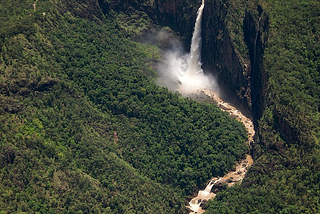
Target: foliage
{"points": [[294, 66], [84, 128], [285, 176], [235, 15]]}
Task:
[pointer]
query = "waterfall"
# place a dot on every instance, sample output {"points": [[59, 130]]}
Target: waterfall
{"points": [[193, 77], [182, 72], [194, 61]]}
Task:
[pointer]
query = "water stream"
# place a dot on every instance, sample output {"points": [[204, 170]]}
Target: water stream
{"points": [[242, 167], [193, 80], [186, 75]]}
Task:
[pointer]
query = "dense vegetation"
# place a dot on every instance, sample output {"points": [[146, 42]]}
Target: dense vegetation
{"points": [[84, 128], [285, 177]]}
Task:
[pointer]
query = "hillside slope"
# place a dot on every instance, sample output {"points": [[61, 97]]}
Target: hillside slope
{"points": [[84, 128]]}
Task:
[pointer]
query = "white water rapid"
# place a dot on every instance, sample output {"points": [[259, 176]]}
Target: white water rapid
{"points": [[206, 194]]}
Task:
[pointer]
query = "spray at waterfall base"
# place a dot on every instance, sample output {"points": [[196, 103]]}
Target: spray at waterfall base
{"points": [[182, 72]]}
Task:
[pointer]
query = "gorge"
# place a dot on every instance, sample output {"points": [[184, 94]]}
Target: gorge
{"points": [[84, 128], [234, 39]]}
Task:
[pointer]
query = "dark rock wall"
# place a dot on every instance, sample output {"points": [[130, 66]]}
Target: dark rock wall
{"points": [[219, 54], [179, 15], [245, 77], [255, 31]]}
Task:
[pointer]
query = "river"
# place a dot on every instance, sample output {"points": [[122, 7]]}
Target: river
{"points": [[242, 167], [184, 71]]}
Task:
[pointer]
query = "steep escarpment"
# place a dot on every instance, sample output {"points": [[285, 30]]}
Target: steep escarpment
{"points": [[220, 53], [234, 37], [255, 28], [83, 126], [267, 53], [224, 52]]}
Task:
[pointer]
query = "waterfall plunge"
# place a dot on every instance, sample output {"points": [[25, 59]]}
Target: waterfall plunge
{"points": [[183, 72], [194, 63]]}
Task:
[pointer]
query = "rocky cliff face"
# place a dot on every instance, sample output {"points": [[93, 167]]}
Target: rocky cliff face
{"points": [[220, 55], [255, 35], [241, 72]]}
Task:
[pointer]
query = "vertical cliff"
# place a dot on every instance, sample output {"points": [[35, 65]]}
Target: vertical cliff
{"points": [[220, 55], [255, 27], [234, 39]]}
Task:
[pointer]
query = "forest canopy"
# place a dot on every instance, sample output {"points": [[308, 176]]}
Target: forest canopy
{"points": [[84, 128]]}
